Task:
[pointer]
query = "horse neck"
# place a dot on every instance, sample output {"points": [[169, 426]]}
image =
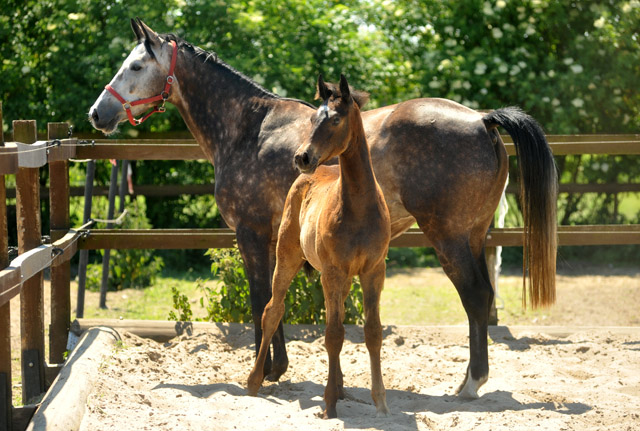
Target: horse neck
{"points": [[219, 105], [357, 179]]}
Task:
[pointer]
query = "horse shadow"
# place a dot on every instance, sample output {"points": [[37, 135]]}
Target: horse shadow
{"points": [[357, 411], [503, 335]]}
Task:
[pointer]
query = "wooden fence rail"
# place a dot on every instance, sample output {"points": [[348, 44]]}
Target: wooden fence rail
{"points": [[23, 275]]}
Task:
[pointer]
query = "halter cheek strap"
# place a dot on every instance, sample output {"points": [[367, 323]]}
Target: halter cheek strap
{"points": [[162, 97]]}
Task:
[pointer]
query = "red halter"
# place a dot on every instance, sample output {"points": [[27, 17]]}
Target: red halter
{"points": [[160, 97]]}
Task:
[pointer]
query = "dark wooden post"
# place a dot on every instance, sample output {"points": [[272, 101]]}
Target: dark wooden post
{"points": [[60, 274], [490, 253], [5, 312], [31, 298], [84, 254], [106, 257]]}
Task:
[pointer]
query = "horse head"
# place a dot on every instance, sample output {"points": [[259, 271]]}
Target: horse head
{"points": [[331, 124], [144, 81]]}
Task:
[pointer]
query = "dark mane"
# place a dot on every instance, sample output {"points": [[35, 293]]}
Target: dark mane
{"points": [[213, 59]]}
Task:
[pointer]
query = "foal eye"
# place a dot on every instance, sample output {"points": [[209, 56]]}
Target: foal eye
{"points": [[136, 67]]}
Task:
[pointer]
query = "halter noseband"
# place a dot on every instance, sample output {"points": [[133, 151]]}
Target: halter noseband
{"points": [[163, 96]]}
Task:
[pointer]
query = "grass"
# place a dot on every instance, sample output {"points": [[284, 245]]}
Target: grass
{"points": [[433, 299], [151, 303]]}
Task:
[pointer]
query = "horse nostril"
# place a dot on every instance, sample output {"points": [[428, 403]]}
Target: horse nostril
{"points": [[94, 115]]}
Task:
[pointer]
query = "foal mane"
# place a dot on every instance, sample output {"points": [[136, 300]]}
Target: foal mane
{"points": [[211, 58]]}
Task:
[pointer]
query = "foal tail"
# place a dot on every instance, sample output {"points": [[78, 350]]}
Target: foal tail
{"points": [[538, 196]]}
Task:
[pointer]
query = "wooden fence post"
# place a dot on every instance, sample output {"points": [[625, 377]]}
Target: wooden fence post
{"points": [[31, 297], [84, 254], [490, 253], [60, 274], [6, 404], [106, 257]]}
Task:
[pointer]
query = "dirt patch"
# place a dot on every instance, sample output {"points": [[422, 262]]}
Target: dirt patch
{"points": [[587, 380]]}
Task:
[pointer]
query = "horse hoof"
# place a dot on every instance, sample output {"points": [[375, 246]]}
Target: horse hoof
{"points": [[469, 388], [383, 412], [275, 374]]}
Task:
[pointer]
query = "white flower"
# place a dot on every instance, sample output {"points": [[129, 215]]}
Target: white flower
{"points": [[444, 64], [481, 68], [496, 33], [568, 61], [435, 84], [25, 70], [450, 43], [555, 102], [503, 68], [501, 4], [599, 23], [577, 102], [576, 68]]}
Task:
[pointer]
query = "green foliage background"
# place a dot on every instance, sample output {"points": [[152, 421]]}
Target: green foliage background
{"points": [[574, 66]]}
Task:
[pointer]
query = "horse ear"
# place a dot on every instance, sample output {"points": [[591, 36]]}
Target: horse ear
{"points": [[150, 37], [361, 97], [136, 29], [323, 90]]}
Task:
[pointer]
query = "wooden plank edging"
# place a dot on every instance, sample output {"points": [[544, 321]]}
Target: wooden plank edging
{"points": [[64, 404]]}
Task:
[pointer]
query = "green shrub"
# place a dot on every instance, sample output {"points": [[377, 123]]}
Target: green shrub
{"points": [[127, 268], [230, 300]]}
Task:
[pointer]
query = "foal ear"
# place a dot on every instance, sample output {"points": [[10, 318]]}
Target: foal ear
{"points": [[345, 91], [323, 90]]}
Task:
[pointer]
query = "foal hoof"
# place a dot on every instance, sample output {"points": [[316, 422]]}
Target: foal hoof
{"points": [[330, 413]]}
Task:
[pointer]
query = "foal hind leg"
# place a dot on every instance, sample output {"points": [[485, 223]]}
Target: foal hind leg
{"points": [[372, 284], [290, 260], [336, 288], [475, 291]]}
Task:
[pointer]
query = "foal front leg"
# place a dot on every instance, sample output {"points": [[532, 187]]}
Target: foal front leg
{"points": [[372, 284], [335, 288]]}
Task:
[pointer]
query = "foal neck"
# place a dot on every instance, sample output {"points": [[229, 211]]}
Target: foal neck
{"points": [[356, 173]]}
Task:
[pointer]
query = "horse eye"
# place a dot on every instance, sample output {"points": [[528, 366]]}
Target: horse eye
{"points": [[336, 121], [136, 67]]}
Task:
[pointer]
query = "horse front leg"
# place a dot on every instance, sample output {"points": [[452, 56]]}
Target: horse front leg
{"points": [[255, 250]]}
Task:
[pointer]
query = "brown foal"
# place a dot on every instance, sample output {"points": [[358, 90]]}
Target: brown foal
{"points": [[335, 218]]}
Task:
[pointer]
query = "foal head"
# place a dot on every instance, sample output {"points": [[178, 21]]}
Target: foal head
{"points": [[333, 124], [144, 74]]}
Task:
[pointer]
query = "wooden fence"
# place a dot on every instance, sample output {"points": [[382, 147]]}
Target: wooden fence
{"points": [[23, 275]]}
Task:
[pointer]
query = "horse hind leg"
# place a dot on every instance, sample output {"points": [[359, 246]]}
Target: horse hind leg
{"points": [[372, 284], [475, 291]]}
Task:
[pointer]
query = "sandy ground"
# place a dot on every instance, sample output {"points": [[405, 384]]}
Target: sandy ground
{"points": [[541, 378], [587, 380]]}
